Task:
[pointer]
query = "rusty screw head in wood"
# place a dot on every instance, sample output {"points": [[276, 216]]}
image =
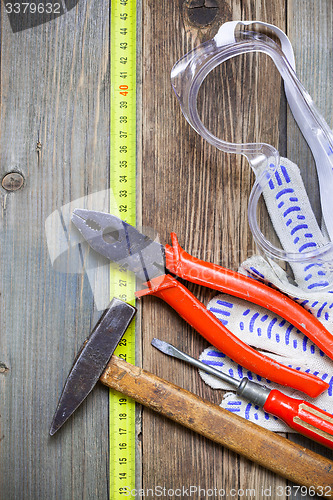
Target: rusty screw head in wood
{"points": [[12, 181]]}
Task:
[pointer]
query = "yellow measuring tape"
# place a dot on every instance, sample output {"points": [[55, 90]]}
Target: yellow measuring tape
{"points": [[123, 204]]}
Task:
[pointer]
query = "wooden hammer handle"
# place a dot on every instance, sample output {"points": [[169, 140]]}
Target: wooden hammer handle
{"points": [[285, 458]]}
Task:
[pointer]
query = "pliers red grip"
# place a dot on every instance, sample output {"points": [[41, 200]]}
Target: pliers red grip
{"points": [[201, 319], [122, 243]]}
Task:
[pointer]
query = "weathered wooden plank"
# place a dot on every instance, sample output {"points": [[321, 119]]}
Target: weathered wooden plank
{"points": [[310, 31], [202, 195], [54, 90], [309, 26]]}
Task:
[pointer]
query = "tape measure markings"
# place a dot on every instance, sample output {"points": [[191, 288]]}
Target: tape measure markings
{"points": [[123, 203]]}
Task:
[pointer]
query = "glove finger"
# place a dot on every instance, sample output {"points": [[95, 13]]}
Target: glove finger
{"points": [[218, 360], [249, 411], [232, 402], [320, 304], [264, 330], [295, 224]]}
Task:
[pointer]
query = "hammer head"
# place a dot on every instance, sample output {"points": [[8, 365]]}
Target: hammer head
{"points": [[92, 359]]}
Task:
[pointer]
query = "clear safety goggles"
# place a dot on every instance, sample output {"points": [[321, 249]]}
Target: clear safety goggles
{"points": [[187, 76]]}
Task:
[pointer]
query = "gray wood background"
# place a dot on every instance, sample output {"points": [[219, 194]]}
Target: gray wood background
{"points": [[55, 91]]}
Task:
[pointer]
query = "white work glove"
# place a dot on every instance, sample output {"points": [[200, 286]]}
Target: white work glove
{"points": [[266, 331]]}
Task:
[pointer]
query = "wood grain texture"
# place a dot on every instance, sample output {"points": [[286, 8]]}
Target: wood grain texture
{"points": [[55, 90], [310, 30], [309, 26], [202, 194]]}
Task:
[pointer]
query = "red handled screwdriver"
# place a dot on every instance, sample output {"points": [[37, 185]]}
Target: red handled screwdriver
{"points": [[300, 415]]}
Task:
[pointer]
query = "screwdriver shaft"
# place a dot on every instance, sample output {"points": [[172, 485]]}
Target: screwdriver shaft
{"points": [[176, 353]]}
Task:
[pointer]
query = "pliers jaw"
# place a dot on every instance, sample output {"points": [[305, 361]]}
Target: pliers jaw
{"points": [[121, 243], [103, 232]]}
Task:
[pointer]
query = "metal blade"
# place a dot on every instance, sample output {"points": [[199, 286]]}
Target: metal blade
{"points": [[92, 359], [171, 350], [120, 242]]}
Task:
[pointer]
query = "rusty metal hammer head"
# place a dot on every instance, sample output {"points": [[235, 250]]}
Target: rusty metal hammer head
{"points": [[92, 359]]}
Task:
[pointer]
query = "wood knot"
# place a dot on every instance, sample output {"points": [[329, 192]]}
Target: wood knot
{"points": [[3, 367], [202, 12], [13, 181]]}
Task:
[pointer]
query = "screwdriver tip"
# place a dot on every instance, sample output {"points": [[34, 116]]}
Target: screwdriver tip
{"points": [[159, 344], [169, 349]]}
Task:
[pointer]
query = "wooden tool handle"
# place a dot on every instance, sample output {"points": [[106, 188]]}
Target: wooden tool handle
{"points": [[263, 447]]}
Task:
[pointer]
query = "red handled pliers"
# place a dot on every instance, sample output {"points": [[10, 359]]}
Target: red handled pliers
{"points": [[150, 261]]}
